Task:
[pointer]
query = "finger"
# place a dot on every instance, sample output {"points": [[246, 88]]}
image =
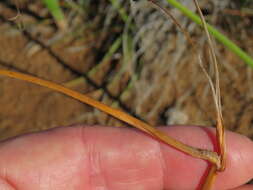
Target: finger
{"points": [[117, 158], [244, 187]]}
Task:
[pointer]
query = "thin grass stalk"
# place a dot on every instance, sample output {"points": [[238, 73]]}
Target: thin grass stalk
{"points": [[204, 154], [219, 36]]}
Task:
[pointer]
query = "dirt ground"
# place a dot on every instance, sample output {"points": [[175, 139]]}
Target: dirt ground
{"points": [[27, 108]]}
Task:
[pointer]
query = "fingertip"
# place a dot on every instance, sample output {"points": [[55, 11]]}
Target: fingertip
{"points": [[239, 158]]}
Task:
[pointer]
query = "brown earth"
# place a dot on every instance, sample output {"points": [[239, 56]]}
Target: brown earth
{"points": [[26, 107]]}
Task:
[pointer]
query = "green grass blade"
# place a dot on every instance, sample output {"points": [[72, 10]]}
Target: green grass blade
{"points": [[122, 11], [219, 36], [56, 11]]}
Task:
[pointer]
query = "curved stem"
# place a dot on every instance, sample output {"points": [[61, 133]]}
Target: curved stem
{"points": [[195, 152]]}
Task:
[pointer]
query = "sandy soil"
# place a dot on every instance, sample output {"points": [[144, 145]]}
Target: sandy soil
{"points": [[26, 107]]}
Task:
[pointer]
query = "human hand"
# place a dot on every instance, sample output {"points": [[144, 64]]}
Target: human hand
{"points": [[78, 158]]}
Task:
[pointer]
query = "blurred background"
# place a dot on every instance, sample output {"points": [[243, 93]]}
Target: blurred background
{"points": [[126, 54]]}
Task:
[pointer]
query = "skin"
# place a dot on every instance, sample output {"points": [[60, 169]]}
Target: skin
{"points": [[110, 158]]}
